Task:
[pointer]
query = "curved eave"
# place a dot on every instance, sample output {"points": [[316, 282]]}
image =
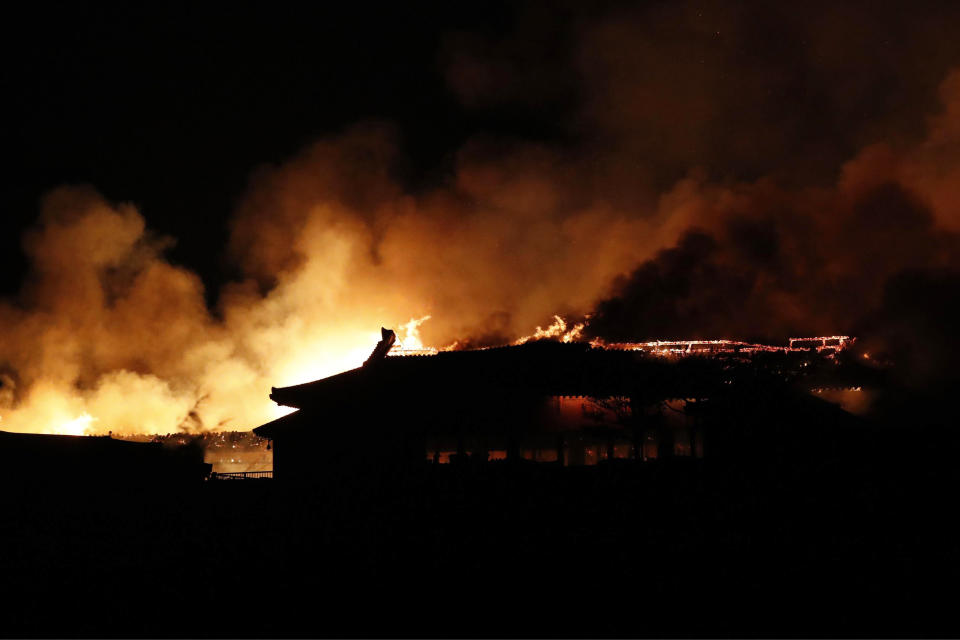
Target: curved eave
{"points": [[300, 395], [285, 423]]}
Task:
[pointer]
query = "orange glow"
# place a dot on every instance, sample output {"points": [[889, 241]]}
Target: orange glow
{"points": [[326, 359], [156, 361], [328, 246], [78, 426]]}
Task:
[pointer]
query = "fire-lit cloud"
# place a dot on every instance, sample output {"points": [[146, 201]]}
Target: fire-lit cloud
{"points": [[683, 193], [333, 249]]}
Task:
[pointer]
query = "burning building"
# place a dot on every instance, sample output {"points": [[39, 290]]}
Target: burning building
{"points": [[569, 404]]}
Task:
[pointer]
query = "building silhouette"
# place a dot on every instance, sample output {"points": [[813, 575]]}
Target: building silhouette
{"points": [[544, 402]]}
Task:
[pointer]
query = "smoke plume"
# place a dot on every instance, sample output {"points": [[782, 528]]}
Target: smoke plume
{"points": [[684, 186]]}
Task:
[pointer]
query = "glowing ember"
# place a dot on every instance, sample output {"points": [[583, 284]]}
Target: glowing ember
{"points": [[680, 347]]}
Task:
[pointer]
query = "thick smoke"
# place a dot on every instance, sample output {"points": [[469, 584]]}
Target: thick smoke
{"points": [[685, 186], [741, 90], [494, 252], [764, 261], [108, 336]]}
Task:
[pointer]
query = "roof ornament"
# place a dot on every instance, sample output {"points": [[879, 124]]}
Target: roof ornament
{"points": [[380, 351]]}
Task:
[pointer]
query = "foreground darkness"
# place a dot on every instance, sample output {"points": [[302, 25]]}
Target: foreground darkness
{"points": [[849, 537]]}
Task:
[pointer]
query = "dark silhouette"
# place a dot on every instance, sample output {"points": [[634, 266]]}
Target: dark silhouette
{"points": [[399, 412], [38, 460], [546, 489]]}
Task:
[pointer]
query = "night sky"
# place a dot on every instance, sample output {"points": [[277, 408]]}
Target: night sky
{"points": [[172, 106]]}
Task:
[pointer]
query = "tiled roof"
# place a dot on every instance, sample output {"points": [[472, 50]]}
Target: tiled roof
{"points": [[546, 368]]}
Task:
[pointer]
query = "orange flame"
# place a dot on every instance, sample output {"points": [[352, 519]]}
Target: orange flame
{"points": [[557, 330]]}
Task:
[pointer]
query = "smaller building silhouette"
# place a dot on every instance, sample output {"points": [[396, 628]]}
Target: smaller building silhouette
{"points": [[50, 460]]}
